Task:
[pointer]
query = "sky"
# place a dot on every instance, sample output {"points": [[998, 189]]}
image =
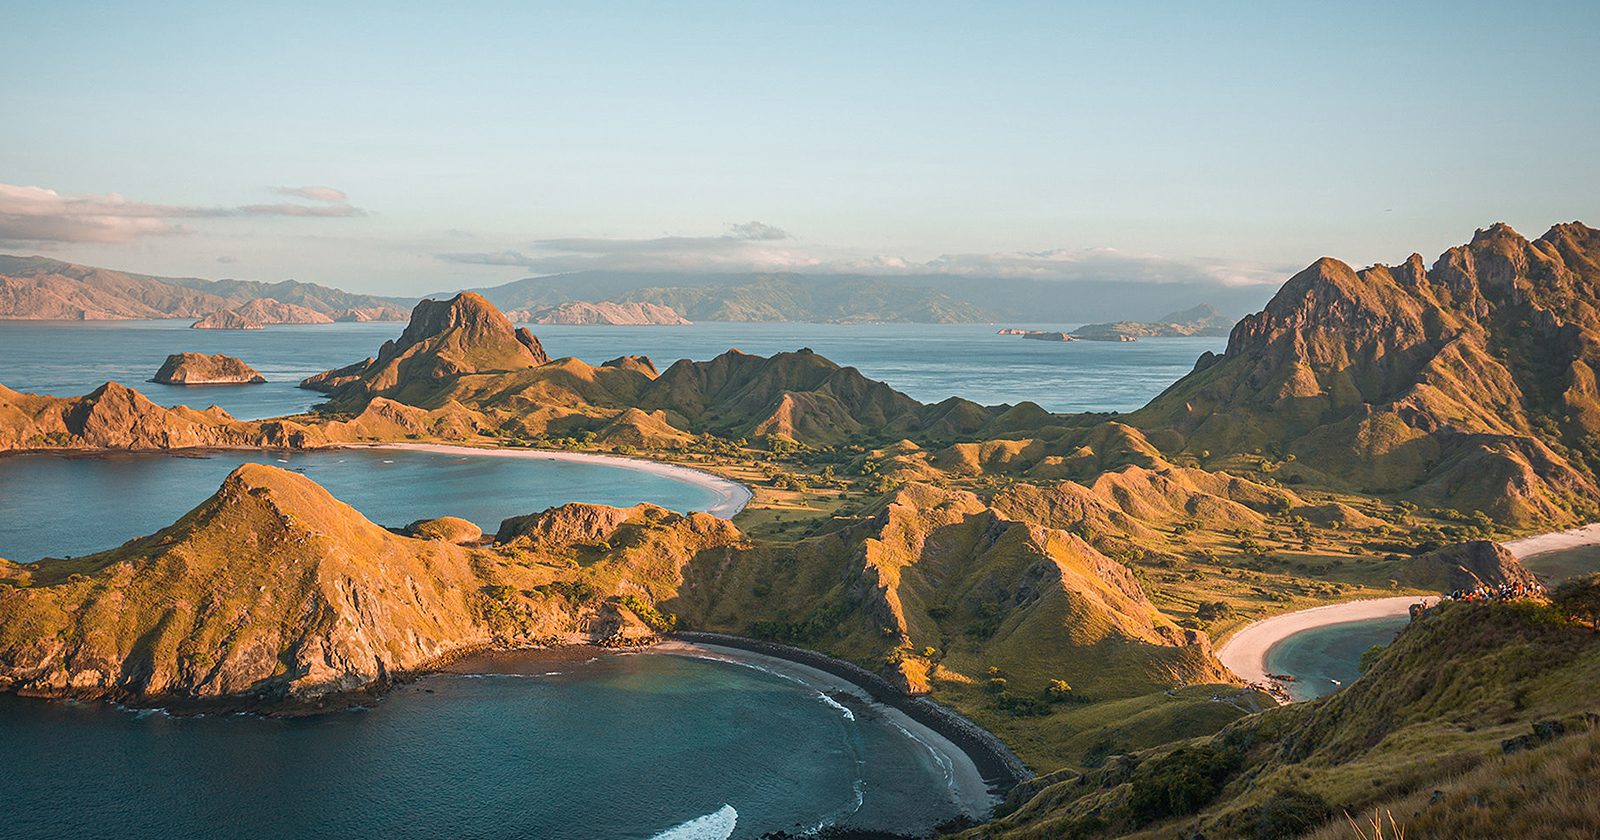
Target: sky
{"points": [[406, 148]]}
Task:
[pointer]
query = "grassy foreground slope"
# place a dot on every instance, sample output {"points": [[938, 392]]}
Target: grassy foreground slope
{"points": [[1478, 718]]}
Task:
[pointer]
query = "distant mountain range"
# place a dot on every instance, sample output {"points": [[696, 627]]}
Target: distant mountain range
{"points": [[39, 288], [858, 298], [43, 289]]}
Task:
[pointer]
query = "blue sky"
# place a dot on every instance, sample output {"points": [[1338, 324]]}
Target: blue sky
{"points": [[488, 141]]}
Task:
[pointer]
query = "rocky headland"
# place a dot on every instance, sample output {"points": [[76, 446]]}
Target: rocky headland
{"points": [[206, 369], [1202, 320]]}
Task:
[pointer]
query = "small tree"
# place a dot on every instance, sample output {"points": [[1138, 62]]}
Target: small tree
{"points": [[1579, 600], [1057, 691]]}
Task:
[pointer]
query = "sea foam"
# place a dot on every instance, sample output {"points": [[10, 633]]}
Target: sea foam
{"points": [[717, 825]]}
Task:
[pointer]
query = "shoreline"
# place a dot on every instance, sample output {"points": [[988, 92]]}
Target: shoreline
{"points": [[1582, 536], [1245, 652], [731, 496], [994, 762]]}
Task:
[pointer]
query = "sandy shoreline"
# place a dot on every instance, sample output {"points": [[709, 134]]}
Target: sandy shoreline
{"points": [[1245, 652], [731, 495], [967, 787], [1579, 537]]}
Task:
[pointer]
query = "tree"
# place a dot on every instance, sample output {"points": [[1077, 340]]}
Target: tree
{"points": [[1057, 691], [1579, 599]]}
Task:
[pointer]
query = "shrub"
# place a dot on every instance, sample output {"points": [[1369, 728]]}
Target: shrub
{"points": [[1579, 600], [1179, 783], [997, 684], [1290, 814], [1212, 610], [1369, 656], [1057, 691]]}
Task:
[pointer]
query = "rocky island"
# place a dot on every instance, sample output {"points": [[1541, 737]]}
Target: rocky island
{"points": [[1056, 578], [204, 369]]}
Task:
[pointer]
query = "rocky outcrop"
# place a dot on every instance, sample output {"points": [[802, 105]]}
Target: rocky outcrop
{"points": [[1468, 565], [1467, 385], [608, 313], [444, 340], [451, 529], [203, 369]]}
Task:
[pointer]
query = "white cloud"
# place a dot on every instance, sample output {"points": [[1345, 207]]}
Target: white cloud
{"points": [[751, 246], [315, 193], [756, 246], [30, 214]]}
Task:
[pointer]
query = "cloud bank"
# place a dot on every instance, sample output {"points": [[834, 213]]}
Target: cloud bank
{"points": [[30, 214], [757, 247]]}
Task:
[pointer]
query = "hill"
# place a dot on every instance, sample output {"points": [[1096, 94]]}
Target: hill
{"points": [[1469, 385], [272, 592], [1200, 320], [38, 288], [926, 298], [1476, 721], [604, 312]]}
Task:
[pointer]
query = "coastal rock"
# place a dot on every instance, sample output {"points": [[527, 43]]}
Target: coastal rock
{"points": [[203, 369], [114, 416], [450, 529]]}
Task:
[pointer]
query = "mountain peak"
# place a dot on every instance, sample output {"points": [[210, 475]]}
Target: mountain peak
{"points": [[445, 338]]}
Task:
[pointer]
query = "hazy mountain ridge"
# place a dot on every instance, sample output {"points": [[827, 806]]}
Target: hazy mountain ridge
{"points": [[39, 288], [929, 298]]}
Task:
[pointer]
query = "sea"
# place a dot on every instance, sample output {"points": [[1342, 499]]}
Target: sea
{"points": [[594, 746]]}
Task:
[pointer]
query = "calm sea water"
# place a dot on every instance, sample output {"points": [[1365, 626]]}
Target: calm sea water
{"points": [[44, 498], [929, 362], [1325, 659], [617, 747]]}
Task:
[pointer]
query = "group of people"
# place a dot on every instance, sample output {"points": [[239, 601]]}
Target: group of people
{"points": [[1509, 591]]}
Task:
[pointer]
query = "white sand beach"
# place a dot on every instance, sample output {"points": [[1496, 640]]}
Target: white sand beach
{"points": [[1245, 652], [731, 495], [1579, 537]]}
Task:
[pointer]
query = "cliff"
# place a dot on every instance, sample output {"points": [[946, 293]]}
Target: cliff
{"points": [[1470, 384], [203, 369]]}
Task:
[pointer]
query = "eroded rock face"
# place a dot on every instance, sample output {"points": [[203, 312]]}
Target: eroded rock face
{"points": [[1468, 565], [203, 369], [463, 335], [1468, 385]]}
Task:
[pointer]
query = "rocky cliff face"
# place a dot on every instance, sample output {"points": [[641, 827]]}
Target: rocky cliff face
{"points": [[445, 339], [1470, 384], [206, 369]]}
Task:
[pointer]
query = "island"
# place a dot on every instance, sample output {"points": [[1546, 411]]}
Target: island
{"points": [[204, 369], [1202, 320], [1056, 579], [610, 313]]}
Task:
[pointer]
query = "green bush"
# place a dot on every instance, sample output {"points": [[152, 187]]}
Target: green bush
{"points": [[1179, 783], [1289, 814]]}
